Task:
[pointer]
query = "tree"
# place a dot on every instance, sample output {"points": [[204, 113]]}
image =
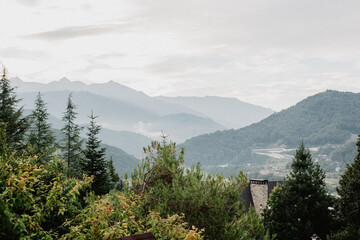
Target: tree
{"points": [[349, 201], [72, 143], [41, 137], [16, 125], [94, 163], [113, 175], [300, 206], [209, 202]]}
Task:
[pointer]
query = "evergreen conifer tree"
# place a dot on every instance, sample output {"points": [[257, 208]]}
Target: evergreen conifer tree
{"points": [[349, 201], [94, 163], [72, 143], [300, 206], [41, 137], [114, 177], [16, 125]]}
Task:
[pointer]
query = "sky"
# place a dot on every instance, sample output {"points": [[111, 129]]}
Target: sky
{"points": [[272, 53]]}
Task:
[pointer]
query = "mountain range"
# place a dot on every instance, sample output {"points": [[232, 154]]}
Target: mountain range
{"points": [[123, 109], [130, 119]]}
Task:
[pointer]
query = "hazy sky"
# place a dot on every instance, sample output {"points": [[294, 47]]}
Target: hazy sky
{"points": [[271, 53]]}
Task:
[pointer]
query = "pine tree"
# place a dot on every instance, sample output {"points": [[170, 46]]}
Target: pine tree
{"points": [[113, 175], [72, 143], [94, 163], [16, 125], [349, 202], [300, 207], [41, 137]]}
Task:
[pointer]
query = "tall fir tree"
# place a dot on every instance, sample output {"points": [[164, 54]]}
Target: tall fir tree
{"points": [[113, 175], [300, 206], [349, 201], [41, 137], [16, 124], [94, 163], [72, 142]]}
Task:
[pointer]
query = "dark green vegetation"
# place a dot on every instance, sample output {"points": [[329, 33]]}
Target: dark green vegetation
{"points": [[72, 143], [326, 120], [94, 163], [16, 124], [349, 202], [300, 207], [41, 137]]}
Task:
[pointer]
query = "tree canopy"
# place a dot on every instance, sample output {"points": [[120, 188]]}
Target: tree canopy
{"points": [[209, 202], [94, 163], [41, 137], [72, 142], [300, 206], [349, 201], [10, 114]]}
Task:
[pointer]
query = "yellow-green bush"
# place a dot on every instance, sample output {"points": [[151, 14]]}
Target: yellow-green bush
{"points": [[35, 198], [116, 215]]}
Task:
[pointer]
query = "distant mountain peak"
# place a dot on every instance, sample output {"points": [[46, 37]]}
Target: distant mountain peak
{"points": [[112, 82], [64, 79]]}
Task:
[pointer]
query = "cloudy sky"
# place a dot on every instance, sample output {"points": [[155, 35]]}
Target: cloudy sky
{"points": [[267, 52]]}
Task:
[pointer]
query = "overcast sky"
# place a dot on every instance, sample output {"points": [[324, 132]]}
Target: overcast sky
{"points": [[270, 53]]}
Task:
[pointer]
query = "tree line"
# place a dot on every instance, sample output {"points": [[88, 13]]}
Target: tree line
{"points": [[35, 131]]}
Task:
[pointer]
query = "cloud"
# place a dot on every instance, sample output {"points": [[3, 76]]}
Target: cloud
{"points": [[18, 53], [30, 3], [79, 31]]}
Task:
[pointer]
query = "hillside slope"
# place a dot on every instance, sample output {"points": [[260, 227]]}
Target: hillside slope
{"points": [[330, 117]]}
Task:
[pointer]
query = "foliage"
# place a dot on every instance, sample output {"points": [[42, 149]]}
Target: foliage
{"points": [[16, 125], [209, 202], [41, 136], [349, 201], [94, 163], [300, 207], [116, 215], [35, 198], [252, 227], [114, 177], [72, 143]]}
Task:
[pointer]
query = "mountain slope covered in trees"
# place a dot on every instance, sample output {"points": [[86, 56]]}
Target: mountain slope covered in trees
{"points": [[326, 118]]}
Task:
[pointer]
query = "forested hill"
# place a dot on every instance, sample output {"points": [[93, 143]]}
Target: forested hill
{"points": [[327, 117]]}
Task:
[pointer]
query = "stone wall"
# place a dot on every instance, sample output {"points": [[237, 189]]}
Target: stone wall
{"points": [[259, 194]]}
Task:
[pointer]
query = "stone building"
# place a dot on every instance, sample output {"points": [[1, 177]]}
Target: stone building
{"points": [[257, 193]]}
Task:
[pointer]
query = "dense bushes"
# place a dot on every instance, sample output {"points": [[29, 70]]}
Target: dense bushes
{"points": [[38, 201], [208, 201]]}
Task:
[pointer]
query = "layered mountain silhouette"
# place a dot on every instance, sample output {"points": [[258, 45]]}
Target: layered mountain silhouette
{"points": [[123, 109]]}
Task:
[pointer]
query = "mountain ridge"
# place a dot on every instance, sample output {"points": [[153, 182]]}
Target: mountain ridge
{"points": [[324, 118]]}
